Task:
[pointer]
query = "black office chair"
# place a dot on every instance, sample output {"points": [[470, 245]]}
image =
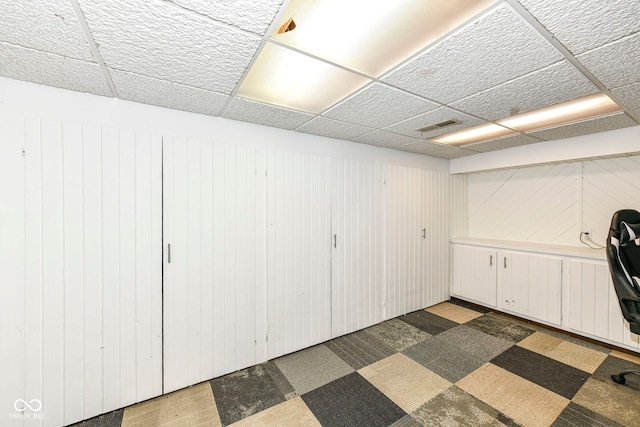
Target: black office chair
{"points": [[623, 255]]}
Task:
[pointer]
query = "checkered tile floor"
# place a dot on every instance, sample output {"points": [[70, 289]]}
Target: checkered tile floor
{"points": [[448, 365]]}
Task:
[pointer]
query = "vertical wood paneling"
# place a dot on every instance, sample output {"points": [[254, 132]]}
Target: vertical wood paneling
{"points": [[299, 239], [357, 273], [14, 302]]}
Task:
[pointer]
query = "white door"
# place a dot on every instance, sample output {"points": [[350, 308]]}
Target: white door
{"points": [[214, 252], [474, 274], [357, 266]]}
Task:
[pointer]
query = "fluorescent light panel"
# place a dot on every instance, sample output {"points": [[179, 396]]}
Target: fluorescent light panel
{"points": [[367, 37], [560, 114]]}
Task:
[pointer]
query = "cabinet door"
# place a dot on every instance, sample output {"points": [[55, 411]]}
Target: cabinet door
{"points": [[474, 274], [530, 285]]}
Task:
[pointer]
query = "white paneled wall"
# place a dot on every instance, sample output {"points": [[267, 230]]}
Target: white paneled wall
{"points": [[417, 236], [357, 283], [214, 283], [298, 255], [92, 286]]}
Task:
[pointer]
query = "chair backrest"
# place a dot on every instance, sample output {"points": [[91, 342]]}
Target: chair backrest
{"points": [[623, 256]]}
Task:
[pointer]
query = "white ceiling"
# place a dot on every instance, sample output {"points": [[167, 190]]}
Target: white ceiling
{"points": [[192, 55]]}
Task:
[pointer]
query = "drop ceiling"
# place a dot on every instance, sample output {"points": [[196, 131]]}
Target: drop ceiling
{"points": [[193, 55]]}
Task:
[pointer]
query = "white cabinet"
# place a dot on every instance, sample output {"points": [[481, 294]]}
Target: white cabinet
{"points": [[521, 283], [474, 274]]}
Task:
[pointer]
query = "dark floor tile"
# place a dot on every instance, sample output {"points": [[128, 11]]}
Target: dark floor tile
{"points": [[473, 341], [470, 306], [455, 407], [406, 421], [110, 419], [443, 358], [576, 415], [500, 328], [562, 379], [613, 366], [428, 322], [245, 393], [359, 349], [280, 380], [352, 401]]}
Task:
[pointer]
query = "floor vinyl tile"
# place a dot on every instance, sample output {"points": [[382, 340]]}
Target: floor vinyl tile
{"points": [[475, 342], [454, 312], [470, 306], [521, 400], [292, 413], [455, 407], [194, 406], [397, 334], [614, 365], [500, 327], [428, 322], [614, 401], [244, 393], [406, 421], [359, 349], [311, 368], [562, 379], [404, 381], [445, 359], [626, 356], [110, 419], [352, 401], [575, 415], [280, 380], [578, 356]]}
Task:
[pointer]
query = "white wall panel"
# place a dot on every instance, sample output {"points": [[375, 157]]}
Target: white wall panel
{"points": [[214, 286], [458, 199], [92, 283], [539, 204], [357, 265], [298, 255]]}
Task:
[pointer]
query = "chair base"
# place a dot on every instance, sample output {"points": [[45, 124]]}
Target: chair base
{"points": [[620, 379]]}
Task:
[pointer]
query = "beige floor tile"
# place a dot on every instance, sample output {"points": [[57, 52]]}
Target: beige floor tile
{"points": [[626, 356], [193, 406], [404, 381], [617, 402], [523, 401], [453, 312], [292, 413], [580, 357]]}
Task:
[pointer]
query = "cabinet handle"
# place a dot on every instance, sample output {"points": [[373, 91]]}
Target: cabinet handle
{"points": [[490, 260], [169, 253], [424, 233], [505, 262], [335, 240]]}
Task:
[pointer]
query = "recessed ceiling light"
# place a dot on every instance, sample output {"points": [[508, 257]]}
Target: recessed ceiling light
{"points": [[564, 113]]}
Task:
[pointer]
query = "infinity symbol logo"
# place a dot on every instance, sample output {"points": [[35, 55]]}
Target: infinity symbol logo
{"points": [[37, 405]]}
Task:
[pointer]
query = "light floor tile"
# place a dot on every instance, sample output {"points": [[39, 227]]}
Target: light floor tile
{"points": [[311, 368], [617, 402], [523, 401], [397, 334], [404, 381], [453, 312], [580, 357], [193, 406], [293, 412], [626, 356]]}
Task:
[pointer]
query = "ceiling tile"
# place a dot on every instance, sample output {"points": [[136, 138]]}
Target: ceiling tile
{"points": [[424, 147], [616, 121], [379, 105], [256, 16], [498, 47], [499, 144], [408, 127], [385, 139], [52, 70], [552, 85], [449, 153], [264, 114], [584, 25], [146, 90], [630, 96], [48, 25], [334, 128], [158, 39], [615, 64]]}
